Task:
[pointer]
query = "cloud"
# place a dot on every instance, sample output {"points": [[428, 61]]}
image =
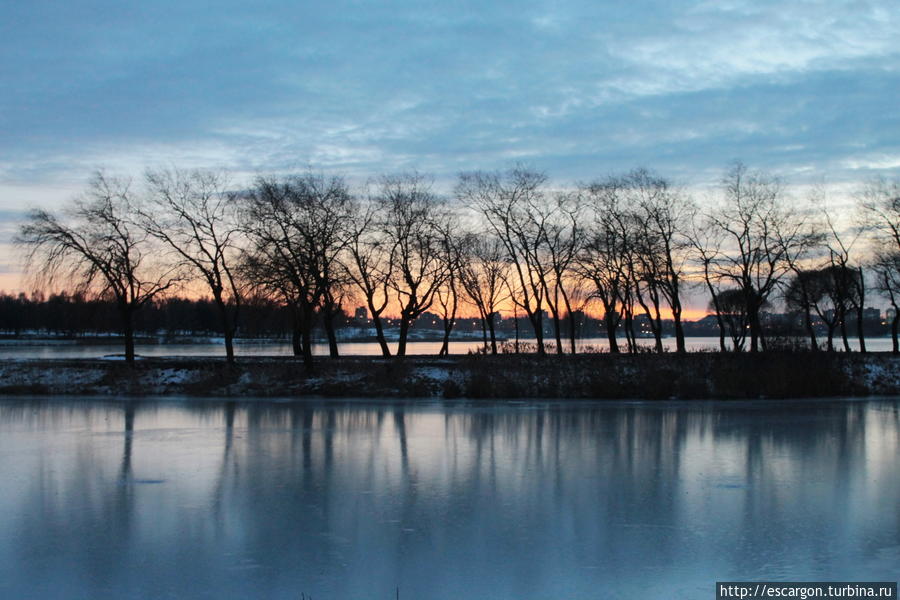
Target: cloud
{"points": [[577, 88], [9, 221]]}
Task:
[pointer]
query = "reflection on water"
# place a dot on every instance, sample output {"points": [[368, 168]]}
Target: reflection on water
{"points": [[270, 500], [71, 349]]}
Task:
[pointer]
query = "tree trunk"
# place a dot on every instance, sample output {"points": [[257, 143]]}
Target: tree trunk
{"points": [[516, 323], [721, 323], [128, 331], [628, 326], [445, 341], [493, 333], [680, 346], [844, 331], [229, 346], [655, 323], [568, 305], [537, 323], [571, 332], [484, 332], [306, 334], [860, 333], [629, 334], [449, 320], [656, 326], [227, 328], [754, 329], [404, 332], [296, 332], [860, 311], [296, 341], [859, 328], [557, 326], [379, 334], [609, 318], [895, 326], [715, 301], [448, 328], [810, 330], [328, 320]]}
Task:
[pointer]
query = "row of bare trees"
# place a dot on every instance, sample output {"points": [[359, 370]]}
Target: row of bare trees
{"points": [[630, 244]]}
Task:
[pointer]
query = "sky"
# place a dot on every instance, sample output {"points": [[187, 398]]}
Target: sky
{"points": [[805, 89]]}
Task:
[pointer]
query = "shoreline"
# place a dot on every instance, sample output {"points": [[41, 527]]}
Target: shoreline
{"points": [[669, 376]]}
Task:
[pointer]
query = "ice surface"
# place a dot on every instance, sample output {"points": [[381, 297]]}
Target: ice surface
{"points": [[253, 499]]}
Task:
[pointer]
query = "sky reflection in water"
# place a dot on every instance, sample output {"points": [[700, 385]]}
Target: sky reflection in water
{"points": [[217, 499]]}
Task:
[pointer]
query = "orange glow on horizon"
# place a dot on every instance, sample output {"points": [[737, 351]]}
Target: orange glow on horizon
{"points": [[14, 283], [687, 314]]}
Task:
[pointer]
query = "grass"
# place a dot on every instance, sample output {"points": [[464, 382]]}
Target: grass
{"points": [[590, 376]]}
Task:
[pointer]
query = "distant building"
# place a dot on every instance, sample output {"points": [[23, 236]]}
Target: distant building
{"points": [[871, 313], [361, 314], [429, 320], [578, 315], [643, 324]]}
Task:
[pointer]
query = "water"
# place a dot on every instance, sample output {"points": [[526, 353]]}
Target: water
{"points": [[210, 499], [36, 349]]}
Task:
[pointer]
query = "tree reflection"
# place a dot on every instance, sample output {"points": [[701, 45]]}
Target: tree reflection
{"points": [[539, 500]]}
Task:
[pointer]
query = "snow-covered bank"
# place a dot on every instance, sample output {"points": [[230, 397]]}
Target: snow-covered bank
{"points": [[700, 375]]}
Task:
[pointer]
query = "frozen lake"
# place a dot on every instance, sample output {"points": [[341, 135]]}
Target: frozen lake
{"points": [[255, 499], [70, 349]]}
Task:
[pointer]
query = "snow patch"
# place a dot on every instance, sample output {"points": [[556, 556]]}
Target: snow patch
{"points": [[433, 373]]}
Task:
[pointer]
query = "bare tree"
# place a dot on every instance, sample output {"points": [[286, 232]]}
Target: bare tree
{"points": [[369, 265], [800, 295], [410, 214], [886, 267], [510, 204], [647, 270], [606, 256], [645, 280], [448, 292], [706, 241], [329, 208], [662, 217], [732, 308], [762, 233], [847, 279], [879, 202], [194, 215], [564, 238], [628, 293], [834, 300], [334, 295], [276, 258], [298, 227], [483, 270], [95, 245]]}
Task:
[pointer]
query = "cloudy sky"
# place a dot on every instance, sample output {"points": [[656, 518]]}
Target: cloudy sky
{"points": [[807, 89]]}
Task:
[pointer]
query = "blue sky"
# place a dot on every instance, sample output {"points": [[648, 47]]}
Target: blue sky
{"points": [[806, 89]]}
